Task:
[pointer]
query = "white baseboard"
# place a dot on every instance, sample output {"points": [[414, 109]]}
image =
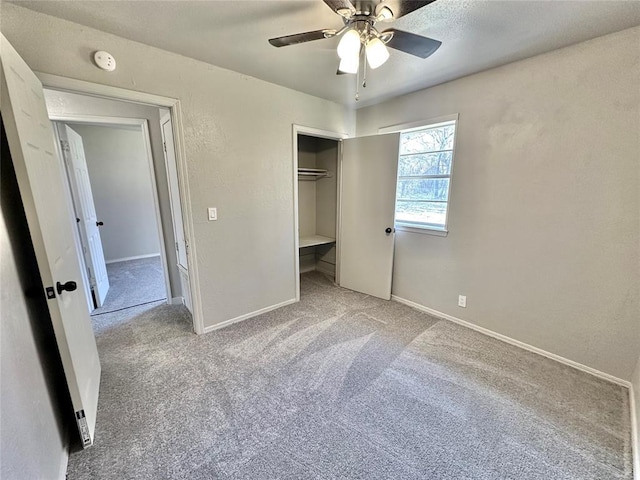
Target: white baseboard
{"points": [[177, 301], [137, 257], [517, 343], [226, 323], [635, 446], [64, 464], [326, 268]]}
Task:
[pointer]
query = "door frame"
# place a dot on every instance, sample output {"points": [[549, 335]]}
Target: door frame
{"points": [[55, 82], [313, 132], [143, 123]]}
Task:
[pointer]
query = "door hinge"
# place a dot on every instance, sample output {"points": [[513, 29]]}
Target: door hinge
{"points": [[164, 145], [177, 247], [51, 293], [64, 145], [83, 428]]}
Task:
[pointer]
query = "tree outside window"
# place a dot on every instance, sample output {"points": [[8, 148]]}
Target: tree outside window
{"points": [[424, 176]]}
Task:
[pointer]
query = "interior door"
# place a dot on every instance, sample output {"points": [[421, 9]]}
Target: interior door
{"points": [[42, 186], [89, 225], [174, 192], [367, 213]]}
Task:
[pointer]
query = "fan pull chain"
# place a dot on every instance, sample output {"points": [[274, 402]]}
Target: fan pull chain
{"points": [[364, 71], [358, 77], [361, 60]]}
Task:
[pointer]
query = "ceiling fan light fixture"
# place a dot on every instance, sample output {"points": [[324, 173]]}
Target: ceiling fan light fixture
{"points": [[349, 45], [346, 12], [384, 14], [349, 64], [377, 52]]}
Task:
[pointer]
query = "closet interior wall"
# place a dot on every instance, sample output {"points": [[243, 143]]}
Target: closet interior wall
{"points": [[317, 203]]}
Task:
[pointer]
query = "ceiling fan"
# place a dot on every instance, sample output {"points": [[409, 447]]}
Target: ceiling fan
{"points": [[361, 38]]}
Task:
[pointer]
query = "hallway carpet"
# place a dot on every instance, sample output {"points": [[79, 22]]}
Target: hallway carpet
{"points": [[343, 385], [133, 282]]}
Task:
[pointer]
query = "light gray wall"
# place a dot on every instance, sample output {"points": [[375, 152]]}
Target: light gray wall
{"points": [[306, 188], [544, 214], [122, 190], [64, 103], [33, 441], [238, 145]]}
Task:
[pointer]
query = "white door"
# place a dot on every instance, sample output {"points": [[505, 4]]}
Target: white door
{"points": [[49, 215], [367, 213], [174, 192], [89, 225], [181, 244]]}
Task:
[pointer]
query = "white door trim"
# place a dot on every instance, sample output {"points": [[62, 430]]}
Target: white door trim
{"points": [[79, 86], [144, 126], [313, 132]]}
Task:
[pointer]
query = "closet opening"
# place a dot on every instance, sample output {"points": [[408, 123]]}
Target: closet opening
{"points": [[317, 166]]}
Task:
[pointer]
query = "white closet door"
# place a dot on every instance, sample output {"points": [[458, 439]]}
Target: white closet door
{"points": [[368, 196], [40, 175]]}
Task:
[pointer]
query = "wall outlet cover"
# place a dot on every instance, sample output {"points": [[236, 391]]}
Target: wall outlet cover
{"points": [[462, 301]]}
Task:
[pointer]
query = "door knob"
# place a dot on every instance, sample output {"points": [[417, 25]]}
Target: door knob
{"points": [[388, 230], [70, 286], [99, 224]]}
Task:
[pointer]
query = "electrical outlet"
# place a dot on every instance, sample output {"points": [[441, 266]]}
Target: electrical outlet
{"points": [[213, 213], [462, 301]]}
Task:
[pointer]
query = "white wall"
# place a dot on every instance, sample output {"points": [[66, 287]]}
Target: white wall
{"points": [[64, 104], [544, 215], [122, 190], [238, 145]]}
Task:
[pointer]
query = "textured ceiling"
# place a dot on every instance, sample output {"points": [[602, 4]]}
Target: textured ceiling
{"points": [[476, 35]]}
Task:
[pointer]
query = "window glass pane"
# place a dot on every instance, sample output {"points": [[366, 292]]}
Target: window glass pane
{"points": [[425, 164], [434, 214], [425, 189], [432, 139]]}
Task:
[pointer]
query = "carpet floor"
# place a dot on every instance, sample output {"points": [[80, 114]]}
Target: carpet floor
{"points": [[132, 283], [342, 385]]}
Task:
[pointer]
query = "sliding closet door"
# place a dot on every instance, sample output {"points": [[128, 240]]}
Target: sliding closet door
{"points": [[368, 196]]}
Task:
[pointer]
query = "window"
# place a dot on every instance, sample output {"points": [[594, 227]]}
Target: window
{"points": [[424, 176]]}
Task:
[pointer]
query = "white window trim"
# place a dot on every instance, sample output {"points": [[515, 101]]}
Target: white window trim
{"points": [[434, 122]]}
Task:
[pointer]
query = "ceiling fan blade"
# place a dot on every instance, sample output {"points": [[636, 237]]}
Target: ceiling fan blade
{"points": [[402, 7], [298, 38], [341, 7], [411, 43]]}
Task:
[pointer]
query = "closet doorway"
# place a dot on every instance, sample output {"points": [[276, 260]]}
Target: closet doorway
{"points": [[344, 208], [316, 155]]}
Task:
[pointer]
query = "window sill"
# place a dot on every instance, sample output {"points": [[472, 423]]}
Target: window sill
{"points": [[422, 230]]}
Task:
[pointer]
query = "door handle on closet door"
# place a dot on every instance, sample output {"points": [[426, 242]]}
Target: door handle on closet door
{"points": [[99, 224], [389, 230]]}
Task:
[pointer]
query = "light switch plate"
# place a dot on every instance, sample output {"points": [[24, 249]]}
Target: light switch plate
{"points": [[213, 213]]}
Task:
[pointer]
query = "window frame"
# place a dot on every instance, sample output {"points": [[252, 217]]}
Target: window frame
{"points": [[425, 228]]}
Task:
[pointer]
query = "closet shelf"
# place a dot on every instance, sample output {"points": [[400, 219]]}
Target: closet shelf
{"points": [[312, 173], [313, 240]]}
